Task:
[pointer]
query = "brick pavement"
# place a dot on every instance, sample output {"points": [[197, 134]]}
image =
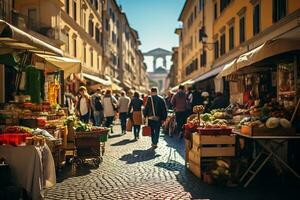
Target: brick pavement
{"points": [[130, 170]]}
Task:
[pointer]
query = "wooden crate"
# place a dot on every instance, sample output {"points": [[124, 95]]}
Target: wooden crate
{"points": [[214, 146], [257, 131], [194, 156], [195, 169], [187, 149]]}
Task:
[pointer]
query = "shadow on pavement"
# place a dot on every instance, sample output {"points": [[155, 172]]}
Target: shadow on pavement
{"points": [[139, 156], [123, 142], [74, 170]]}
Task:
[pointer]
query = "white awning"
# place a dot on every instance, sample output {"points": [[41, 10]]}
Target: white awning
{"points": [[209, 74], [97, 79], [266, 50], [68, 65], [12, 37], [188, 82], [227, 69]]}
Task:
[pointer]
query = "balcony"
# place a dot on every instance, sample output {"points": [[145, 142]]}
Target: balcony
{"points": [[22, 22]]}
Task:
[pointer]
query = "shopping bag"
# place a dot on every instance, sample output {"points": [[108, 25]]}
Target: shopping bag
{"points": [[146, 131], [129, 125]]}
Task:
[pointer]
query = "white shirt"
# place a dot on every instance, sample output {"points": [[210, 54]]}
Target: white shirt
{"points": [[83, 106], [123, 104]]}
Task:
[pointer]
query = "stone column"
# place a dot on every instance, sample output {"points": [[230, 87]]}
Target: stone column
{"points": [[165, 62], [154, 62]]}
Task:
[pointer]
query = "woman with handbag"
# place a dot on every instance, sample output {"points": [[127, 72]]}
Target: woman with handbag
{"points": [[109, 108], [136, 107]]}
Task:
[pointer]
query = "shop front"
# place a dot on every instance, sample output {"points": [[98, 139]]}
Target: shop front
{"points": [[259, 126]]}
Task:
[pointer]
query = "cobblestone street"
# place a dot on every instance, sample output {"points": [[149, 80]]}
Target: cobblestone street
{"points": [[130, 170]]}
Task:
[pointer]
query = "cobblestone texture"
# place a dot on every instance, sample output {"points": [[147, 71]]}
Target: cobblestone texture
{"points": [[130, 170]]}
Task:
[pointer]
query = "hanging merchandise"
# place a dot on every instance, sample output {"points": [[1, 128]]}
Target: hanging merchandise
{"points": [[33, 83], [53, 92]]}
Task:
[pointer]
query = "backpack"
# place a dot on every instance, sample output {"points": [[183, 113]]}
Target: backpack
{"points": [[98, 104]]}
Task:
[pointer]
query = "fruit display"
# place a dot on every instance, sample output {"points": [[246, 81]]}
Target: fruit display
{"points": [[270, 123], [198, 109], [206, 117]]}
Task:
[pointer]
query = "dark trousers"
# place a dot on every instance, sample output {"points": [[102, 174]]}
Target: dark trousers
{"points": [[136, 130], [155, 129], [123, 117], [180, 120], [109, 121], [85, 118]]}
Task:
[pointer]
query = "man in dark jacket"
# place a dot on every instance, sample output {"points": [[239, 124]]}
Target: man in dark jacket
{"points": [[179, 102], [156, 114]]}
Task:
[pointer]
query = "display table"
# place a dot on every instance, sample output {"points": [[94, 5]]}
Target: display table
{"points": [[32, 167], [270, 145]]}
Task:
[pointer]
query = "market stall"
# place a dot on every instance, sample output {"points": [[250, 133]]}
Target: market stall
{"points": [[264, 96]]}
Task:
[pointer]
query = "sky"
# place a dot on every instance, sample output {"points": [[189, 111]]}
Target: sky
{"points": [[155, 21]]}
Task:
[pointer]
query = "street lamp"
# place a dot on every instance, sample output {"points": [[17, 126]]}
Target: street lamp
{"points": [[205, 43]]}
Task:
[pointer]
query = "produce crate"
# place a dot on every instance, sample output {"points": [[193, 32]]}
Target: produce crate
{"points": [[187, 144], [257, 131], [214, 131], [195, 169], [214, 145]]}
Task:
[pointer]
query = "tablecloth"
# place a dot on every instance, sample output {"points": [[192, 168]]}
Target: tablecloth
{"points": [[31, 167]]}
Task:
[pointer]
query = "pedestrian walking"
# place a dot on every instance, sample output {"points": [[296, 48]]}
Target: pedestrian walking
{"points": [[156, 111], [109, 108], [168, 100], [97, 107], [179, 102], [123, 104], [83, 105], [135, 107]]}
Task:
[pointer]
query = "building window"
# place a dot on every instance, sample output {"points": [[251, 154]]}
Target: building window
{"points": [[113, 37], [3, 9], [96, 4], [97, 35], [231, 37], [114, 59], [201, 34], [67, 49], [216, 49], [67, 6], [195, 11], [256, 19], [106, 25], [242, 30], [74, 10], [75, 47], [98, 62], [222, 45], [91, 27], [113, 17], [279, 10], [32, 19], [201, 4], [203, 59], [84, 53], [224, 4], [216, 10], [92, 59]]}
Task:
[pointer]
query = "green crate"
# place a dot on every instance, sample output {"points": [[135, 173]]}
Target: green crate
{"points": [[103, 137]]}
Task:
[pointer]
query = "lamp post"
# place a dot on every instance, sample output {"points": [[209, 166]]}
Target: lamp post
{"points": [[205, 43]]}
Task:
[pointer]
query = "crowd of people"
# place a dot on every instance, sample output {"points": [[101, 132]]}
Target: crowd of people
{"points": [[102, 107], [183, 101]]}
